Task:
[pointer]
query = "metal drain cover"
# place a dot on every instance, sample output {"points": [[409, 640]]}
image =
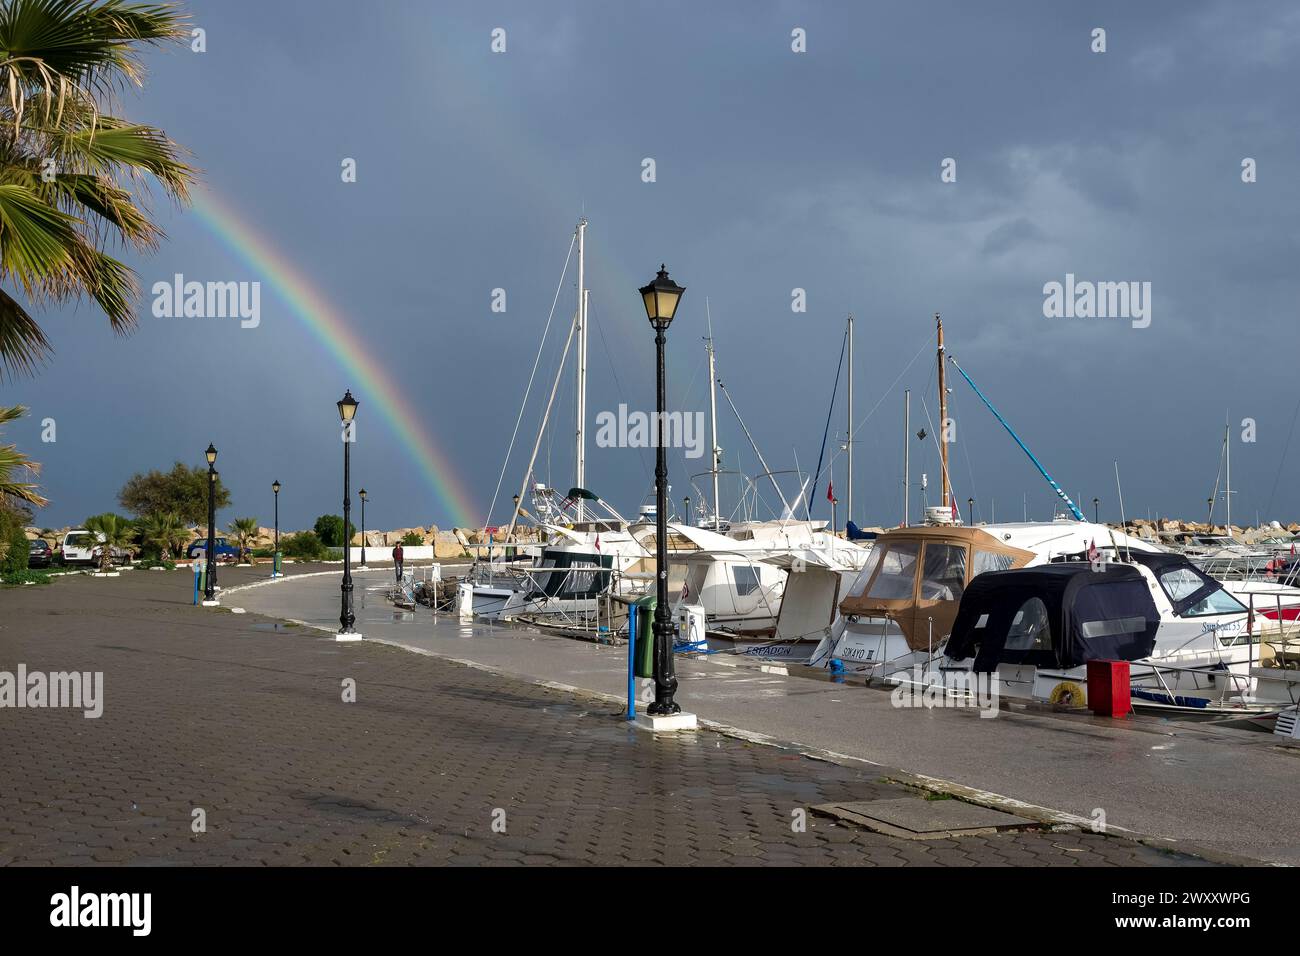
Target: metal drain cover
{"points": [[916, 819]]}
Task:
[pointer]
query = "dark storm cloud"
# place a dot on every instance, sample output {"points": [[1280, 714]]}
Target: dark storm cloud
{"points": [[775, 171]]}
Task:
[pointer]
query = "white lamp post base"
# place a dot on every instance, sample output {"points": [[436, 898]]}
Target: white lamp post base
{"points": [[667, 723], [348, 636]]}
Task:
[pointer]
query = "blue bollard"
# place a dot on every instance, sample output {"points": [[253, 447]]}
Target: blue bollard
{"points": [[631, 662]]}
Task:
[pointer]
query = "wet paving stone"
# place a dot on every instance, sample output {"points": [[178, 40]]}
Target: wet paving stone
{"points": [[433, 764]]}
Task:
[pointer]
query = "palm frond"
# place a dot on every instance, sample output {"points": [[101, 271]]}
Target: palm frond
{"points": [[36, 240], [23, 346], [14, 463]]}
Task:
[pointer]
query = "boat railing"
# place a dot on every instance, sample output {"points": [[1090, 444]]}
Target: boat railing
{"points": [[1231, 688]]}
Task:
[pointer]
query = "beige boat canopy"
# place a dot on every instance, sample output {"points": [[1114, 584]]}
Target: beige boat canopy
{"points": [[916, 577]]}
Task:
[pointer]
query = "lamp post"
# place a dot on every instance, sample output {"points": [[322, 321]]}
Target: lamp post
{"points": [[275, 557], [210, 588], [347, 406], [1096, 502], [362, 495], [970, 512], [686, 510], [661, 298]]}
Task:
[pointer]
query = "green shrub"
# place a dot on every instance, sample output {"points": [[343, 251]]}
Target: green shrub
{"points": [[14, 561], [412, 539], [25, 577], [329, 528], [304, 545], [144, 564]]}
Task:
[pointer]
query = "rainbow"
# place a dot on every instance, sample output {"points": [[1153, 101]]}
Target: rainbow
{"points": [[333, 331]]}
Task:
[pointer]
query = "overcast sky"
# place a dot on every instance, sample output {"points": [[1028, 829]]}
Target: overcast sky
{"points": [[775, 170]]}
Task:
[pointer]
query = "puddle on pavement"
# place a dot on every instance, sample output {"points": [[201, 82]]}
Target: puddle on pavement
{"points": [[273, 626]]}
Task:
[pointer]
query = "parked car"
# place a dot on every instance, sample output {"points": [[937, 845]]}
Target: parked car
{"points": [[225, 550], [82, 547], [39, 553]]}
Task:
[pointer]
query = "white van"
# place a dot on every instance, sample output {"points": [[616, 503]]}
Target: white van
{"points": [[82, 547]]}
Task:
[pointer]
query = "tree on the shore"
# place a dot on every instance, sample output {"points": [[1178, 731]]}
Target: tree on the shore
{"points": [[165, 531], [112, 531], [304, 545], [329, 528], [74, 176], [244, 531], [182, 491], [15, 467]]}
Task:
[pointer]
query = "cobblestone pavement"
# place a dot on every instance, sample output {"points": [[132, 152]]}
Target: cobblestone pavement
{"points": [[246, 720]]}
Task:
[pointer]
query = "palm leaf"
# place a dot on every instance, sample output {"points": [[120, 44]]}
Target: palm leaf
{"points": [[23, 346], [35, 238], [13, 462], [110, 283]]}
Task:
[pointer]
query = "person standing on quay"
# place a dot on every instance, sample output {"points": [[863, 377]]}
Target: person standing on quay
{"points": [[397, 561]]}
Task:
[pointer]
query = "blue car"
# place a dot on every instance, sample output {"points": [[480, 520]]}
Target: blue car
{"points": [[225, 550]]}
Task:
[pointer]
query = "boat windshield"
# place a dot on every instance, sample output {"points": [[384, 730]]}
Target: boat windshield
{"points": [[897, 571], [1182, 582]]}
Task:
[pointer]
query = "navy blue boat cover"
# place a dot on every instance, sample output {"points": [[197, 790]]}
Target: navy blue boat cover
{"points": [[1090, 615]]}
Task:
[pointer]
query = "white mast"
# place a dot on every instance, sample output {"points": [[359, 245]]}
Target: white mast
{"points": [[713, 423], [1227, 491], [943, 420], [848, 512], [580, 471], [907, 457]]}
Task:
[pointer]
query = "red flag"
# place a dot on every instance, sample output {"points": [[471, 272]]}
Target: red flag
{"points": [[598, 542], [956, 515], [1293, 549], [1092, 550], [830, 496]]}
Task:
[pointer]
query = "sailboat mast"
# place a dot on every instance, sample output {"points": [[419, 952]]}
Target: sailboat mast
{"points": [[713, 430], [848, 511], [1227, 491], [943, 417], [907, 457], [580, 457]]}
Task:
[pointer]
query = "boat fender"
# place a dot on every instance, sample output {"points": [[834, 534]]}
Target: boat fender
{"points": [[1068, 693]]}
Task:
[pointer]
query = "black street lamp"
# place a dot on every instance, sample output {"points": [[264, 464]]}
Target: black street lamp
{"points": [[686, 506], [1095, 503], [275, 558], [210, 589], [661, 298], [970, 511], [347, 412], [362, 495]]}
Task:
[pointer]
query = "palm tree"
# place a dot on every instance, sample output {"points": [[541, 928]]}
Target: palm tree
{"points": [[165, 531], [244, 531], [14, 463], [111, 532], [72, 174]]}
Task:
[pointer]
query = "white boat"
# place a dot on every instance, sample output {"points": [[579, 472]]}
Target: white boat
{"points": [[574, 566], [900, 608], [1187, 640], [816, 578]]}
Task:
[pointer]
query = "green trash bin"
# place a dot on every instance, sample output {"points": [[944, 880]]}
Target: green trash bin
{"points": [[644, 609]]}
